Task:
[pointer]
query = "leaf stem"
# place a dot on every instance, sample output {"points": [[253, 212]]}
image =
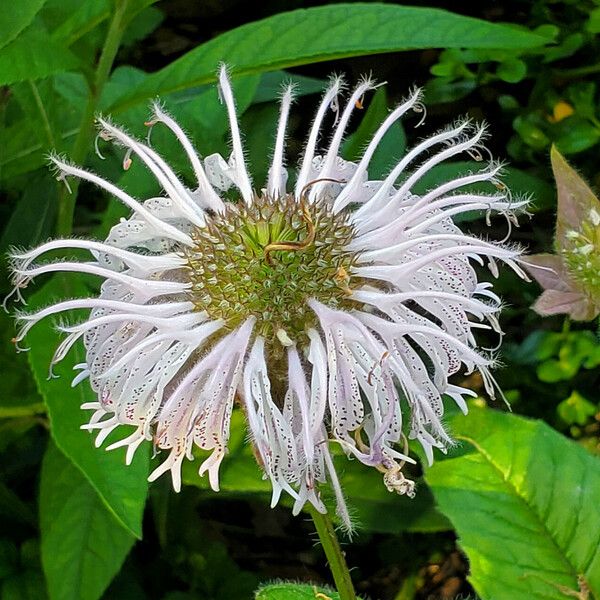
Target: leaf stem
{"points": [[333, 552], [112, 42]]}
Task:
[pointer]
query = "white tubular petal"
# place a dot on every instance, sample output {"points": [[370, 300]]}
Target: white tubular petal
{"points": [[317, 356], [394, 272], [242, 177], [381, 197], [379, 324], [172, 463], [163, 173], [132, 442], [277, 173], [148, 288], [336, 141], [141, 262], [298, 387], [311, 146], [379, 299], [391, 206], [206, 194], [155, 310], [399, 227], [161, 227], [272, 433], [488, 174], [175, 323], [347, 194], [394, 254], [193, 336], [431, 220]]}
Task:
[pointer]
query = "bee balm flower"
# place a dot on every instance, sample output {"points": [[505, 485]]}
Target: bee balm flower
{"points": [[332, 311]]}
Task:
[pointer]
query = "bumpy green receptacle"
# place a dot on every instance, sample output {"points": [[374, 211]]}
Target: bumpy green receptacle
{"points": [[237, 270]]}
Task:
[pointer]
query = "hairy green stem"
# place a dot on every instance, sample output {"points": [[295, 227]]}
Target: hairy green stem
{"points": [[334, 554], [112, 42]]}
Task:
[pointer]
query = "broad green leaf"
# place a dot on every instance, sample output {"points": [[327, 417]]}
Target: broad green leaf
{"points": [[80, 21], [271, 84], [295, 591], [32, 219], [326, 33], [83, 545], [122, 488], [524, 501], [17, 16], [33, 55]]}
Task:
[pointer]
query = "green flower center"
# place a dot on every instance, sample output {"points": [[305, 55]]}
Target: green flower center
{"points": [[581, 253], [268, 260]]}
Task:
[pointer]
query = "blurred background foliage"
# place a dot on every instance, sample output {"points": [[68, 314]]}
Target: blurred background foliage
{"points": [[75, 523]]}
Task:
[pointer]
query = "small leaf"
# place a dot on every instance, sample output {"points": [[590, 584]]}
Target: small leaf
{"points": [[322, 33], [524, 501], [576, 409], [512, 70], [83, 545], [122, 488], [33, 55], [16, 17], [575, 135], [531, 133], [593, 22]]}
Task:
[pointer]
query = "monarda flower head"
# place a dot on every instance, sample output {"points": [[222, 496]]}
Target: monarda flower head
{"points": [[333, 311]]}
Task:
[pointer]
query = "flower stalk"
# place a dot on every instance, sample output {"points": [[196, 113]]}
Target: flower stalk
{"points": [[333, 552]]}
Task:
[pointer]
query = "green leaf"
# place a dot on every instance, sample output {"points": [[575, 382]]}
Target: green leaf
{"points": [[593, 22], [576, 409], [83, 545], [17, 16], [512, 70], [322, 33], [573, 135], [32, 219], [524, 501], [295, 591], [271, 83], [81, 20], [33, 55], [122, 488]]}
